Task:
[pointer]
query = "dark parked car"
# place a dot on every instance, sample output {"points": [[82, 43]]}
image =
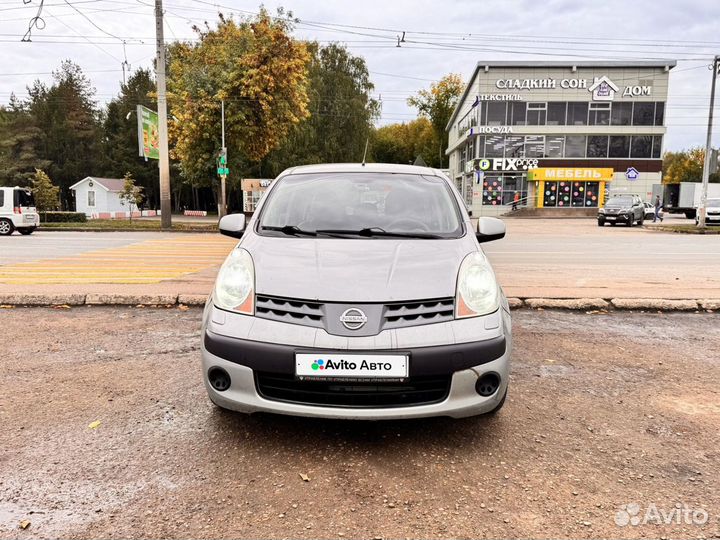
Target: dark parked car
{"points": [[627, 209]]}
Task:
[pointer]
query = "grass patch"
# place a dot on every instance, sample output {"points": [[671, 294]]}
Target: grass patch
{"points": [[687, 228], [127, 225]]}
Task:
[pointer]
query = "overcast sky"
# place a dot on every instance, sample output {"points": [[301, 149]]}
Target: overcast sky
{"points": [[441, 37]]}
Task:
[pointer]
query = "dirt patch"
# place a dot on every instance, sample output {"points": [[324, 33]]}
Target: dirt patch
{"points": [[604, 412]]}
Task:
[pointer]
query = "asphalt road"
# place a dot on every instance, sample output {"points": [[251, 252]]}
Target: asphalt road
{"points": [[538, 257], [608, 418]]}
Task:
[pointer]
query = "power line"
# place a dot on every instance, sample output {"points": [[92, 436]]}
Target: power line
{"points": [[88, 19]]}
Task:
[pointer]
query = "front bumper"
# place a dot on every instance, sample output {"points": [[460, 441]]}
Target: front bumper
{"points": [[618, 218], [463, 362]]}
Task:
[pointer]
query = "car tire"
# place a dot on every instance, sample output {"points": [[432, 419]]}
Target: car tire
{"points": [[499, 405], [6, 227], [630, 221], [642, 220], [26, 231], [601, 223]]}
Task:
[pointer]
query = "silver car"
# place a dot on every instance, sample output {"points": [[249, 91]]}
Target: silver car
{"points": [[358, 292]]}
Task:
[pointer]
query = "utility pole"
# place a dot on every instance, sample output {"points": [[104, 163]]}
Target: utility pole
{"points": [[165, 202], [708, 147], [222, 207]]}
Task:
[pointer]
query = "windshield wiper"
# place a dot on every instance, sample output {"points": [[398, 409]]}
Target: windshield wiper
{"points": [[290, 230], [377, 231]]}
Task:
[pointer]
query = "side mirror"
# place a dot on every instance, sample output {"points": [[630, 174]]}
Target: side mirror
{"points": [[489, 229], [232, 225]]}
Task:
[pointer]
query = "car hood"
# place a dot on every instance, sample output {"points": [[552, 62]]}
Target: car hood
{"points": [[356, 270]]}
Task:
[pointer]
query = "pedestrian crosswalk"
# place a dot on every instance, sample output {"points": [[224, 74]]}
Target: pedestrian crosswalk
{"points": [[149, 261]]}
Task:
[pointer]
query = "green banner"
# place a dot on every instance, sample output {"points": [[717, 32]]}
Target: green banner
{"points": [[148, 133]]}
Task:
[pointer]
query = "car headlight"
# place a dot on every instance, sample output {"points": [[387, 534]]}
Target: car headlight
{"points": [[477, 290], [235, 283]]}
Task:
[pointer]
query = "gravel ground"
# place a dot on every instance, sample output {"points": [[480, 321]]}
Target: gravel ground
{"points": [[604, 411]]}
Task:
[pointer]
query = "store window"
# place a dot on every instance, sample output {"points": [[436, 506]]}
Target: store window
{"points": [[554, 146], [480, 146], [563, 194], [571, 194], [641, 146], [643, 113], [514, 147], [599, 114], [657, 147], [619, 146], [550, 194], [577, 113], [556, 113], [516, 113], [659, 113], [500, 188], [536, 114], [494, 146], [535, 146], [575, 146], [621, 114], [496, 111], [597, 146], [591, 193]]}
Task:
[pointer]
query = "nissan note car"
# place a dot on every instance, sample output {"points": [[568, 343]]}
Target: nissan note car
{"points": [[358, 292]]}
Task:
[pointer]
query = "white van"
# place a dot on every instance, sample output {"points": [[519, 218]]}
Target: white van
{"points": [[17, 211]]}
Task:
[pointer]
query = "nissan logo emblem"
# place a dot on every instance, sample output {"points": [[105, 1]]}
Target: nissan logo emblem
{"points": [[353, 319]]}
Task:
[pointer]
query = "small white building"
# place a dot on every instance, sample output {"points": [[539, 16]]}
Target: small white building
{"points": [[99, 197]]}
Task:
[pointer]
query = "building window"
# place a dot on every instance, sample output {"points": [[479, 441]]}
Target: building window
{"points": [[556, 113], [659, 113], [641, 146], [494, 146], [619, 146], [644, 113], [657, 147], [499, 188], [571, 194], [535, 146], [536, 113], [514, 147], [554, 146], [575, 146], [599, 114], [597, 146], [91, 198], [516, 113], [621, 114], [496, 111], [577, 113]]}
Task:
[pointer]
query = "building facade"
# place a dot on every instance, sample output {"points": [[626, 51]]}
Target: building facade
{"points": [[558, 134]]}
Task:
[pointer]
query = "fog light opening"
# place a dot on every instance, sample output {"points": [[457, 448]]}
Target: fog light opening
{"points": [[219, 379], [488, 384]]}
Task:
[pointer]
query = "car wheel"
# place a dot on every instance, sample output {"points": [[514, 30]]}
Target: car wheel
{"points": [[601, 223], [6, 227], [630, 221], [499, 405], [642, 220], [26, 231]]}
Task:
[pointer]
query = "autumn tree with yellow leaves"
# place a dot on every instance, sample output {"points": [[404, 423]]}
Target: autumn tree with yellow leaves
{"points": [[259, 70], [438, 104]]}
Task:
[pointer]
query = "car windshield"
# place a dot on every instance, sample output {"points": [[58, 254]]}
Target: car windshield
{"points": [[361, 205], [620, 201], [713, 203]]}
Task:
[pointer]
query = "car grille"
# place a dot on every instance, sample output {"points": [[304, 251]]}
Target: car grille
{"points": [[361, 394], [290, 310], [394, 315], [414, 313]]}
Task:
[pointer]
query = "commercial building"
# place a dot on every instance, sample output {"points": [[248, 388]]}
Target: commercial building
{"points": [[253, 189], [559, 134]]}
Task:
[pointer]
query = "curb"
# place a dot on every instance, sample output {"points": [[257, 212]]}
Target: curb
{"points": [[81, 229], [569, 304]]}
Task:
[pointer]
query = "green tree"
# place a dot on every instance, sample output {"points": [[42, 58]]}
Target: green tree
{"points": [[69, 122], [120, 141], [403, 143], [685, 166], [342, 113], [131, 194], [19, 144], [438, 104], [259, 70], [47, 195]]}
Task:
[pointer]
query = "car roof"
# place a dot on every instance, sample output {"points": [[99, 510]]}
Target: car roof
{"points": [[390, 168]]}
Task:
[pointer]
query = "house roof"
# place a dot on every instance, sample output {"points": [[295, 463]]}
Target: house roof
{"points": [[110, 184], [669, 64]]}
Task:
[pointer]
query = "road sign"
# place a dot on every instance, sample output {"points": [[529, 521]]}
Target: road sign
{"points": [[223, 171], [148, 133]]}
